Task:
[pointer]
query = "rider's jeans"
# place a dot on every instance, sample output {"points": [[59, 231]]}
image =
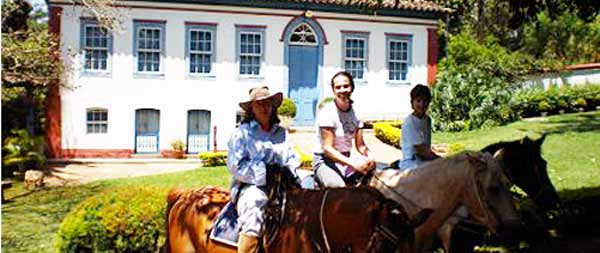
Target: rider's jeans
{"points": [[251, 206], [325, 172]]}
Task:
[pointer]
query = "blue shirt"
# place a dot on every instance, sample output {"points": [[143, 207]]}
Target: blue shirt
{"points": [[251, 149]]}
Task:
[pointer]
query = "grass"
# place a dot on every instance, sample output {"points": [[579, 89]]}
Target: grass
{"points": [[30, 219], [571, 147]]}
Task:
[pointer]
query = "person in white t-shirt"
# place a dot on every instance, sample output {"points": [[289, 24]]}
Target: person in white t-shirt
{"points": [[416, 131], [337, 126]]}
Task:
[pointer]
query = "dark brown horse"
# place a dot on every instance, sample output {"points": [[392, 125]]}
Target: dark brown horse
{"points": [[524, 166], [334, 220]]}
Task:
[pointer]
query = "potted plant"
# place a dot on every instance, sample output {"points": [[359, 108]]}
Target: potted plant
{"points": [[287, 112], [178, 148]]}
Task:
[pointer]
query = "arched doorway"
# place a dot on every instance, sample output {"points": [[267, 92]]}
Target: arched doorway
{"points": [[303, 38]]}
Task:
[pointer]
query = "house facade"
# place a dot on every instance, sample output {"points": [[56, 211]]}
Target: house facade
{"points": [[177, 69]]}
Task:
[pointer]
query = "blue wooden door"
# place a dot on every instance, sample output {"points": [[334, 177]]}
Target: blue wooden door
{"points": [[198, 138], [303, 68], [147, 123]]}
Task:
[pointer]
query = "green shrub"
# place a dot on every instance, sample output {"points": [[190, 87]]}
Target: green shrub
{"points": [[178, 145], [23, 151], [287, 108], [474, 86], [544, 106], [388, 133], [580, 102], [210, 159], [128, 219], [530, 102]]}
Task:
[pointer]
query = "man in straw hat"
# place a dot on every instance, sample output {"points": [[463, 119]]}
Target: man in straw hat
{"points": [[258, 142]]}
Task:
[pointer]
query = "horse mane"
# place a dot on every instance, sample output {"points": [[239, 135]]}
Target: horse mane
{"points": [[200, 197], [183, 200]]}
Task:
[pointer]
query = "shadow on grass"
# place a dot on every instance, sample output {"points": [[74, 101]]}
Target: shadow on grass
{"points": [[585, 122]]}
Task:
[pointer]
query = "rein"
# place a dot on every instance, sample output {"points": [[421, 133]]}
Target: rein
{"points": [[323, 232], [478, 195], [499, 156]]}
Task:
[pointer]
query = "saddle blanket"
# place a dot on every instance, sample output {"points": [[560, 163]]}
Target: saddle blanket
{"points": [[226, 229]]}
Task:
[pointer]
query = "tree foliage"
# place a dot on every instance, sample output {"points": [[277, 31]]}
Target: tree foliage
{"points": [[567, 38], [531, 26], [473, 88]]}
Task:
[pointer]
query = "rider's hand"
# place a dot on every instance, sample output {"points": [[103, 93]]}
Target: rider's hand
{"points": [[364, 167]]}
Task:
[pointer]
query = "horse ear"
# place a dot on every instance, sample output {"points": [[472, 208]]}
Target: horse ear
{"points": [[540, 140], [420, 217], [477, 161], [525, 140]]}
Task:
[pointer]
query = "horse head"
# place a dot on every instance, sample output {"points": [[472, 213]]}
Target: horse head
{"points": [[524, 166], [492, 193]]}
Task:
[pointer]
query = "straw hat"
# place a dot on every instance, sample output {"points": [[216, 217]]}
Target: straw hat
{"points": [[262, 93]]}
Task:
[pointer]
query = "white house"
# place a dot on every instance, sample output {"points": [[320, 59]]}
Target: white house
{"points": [[178, 68]]}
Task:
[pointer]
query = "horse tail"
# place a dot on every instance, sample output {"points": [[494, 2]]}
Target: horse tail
{"points": [[172, 197]]}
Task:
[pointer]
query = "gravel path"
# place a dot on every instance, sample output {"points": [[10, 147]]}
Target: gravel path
{"points": [[86, 170]]}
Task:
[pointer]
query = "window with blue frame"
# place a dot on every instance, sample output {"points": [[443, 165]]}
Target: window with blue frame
{"points": [[149, 46], [96, 121], [355, 54], [96, 46], [399, 57], [250, 50], [200, 45]]}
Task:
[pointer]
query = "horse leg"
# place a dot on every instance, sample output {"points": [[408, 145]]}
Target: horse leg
{"points": [[445, 233]]}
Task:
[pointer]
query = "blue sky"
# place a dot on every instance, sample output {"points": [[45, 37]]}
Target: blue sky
{"points": [[38, 4]]}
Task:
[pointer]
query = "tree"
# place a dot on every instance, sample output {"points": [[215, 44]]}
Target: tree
{"points": [[30, 62]]}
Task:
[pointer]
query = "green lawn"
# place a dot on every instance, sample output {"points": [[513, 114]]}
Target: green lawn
{"points": [[572, 148], [30, 219]]}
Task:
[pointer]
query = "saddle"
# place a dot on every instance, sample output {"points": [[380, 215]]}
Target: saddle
{"points": [[226, 227]]}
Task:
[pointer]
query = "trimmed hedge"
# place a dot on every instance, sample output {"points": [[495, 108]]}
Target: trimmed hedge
{"points": [[210, 159], [388, 132], [530, 102], [128, 219]]}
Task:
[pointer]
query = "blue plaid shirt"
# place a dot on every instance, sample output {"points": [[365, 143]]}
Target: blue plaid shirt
{"points": [[251, 149]]}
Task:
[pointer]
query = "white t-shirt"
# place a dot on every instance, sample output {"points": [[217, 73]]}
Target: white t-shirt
{"points": [[344, 124], [414, 131]]}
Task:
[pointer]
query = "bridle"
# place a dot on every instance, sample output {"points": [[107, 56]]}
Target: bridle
{"points": [[500, 153]]}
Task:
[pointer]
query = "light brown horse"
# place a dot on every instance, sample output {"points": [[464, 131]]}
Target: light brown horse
{"points": [[474, 180], [190, 215], [524, 166]]}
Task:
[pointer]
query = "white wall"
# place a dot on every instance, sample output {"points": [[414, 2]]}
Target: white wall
{"points": [[174, 94], [575, 77]]}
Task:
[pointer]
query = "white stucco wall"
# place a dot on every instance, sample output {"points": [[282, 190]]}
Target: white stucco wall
{"points": [[574, 77], [175, 93]]}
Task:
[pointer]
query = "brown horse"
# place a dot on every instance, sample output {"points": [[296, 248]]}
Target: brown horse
{"points": [[336, 220], [522, 163], [190, 215], [474, 180], [331, 220]]}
